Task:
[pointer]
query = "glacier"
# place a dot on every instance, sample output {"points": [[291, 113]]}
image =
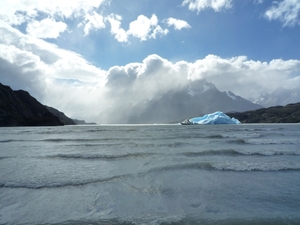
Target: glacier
{"points": [[213, 118]]}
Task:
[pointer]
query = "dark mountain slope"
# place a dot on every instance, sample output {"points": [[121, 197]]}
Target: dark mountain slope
{"points": [[19, 108], [278, 114], [62, 117]]}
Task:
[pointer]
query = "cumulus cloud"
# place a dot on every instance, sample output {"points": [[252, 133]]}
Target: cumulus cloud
{"points": [[57, 77], [49, 19], [17, 12], [145, 80], [45, 19], [286, 11], [244, 77], [178, 24], [143, 28], [93, 21], [200, 5], [115, 23], [47, 28]]}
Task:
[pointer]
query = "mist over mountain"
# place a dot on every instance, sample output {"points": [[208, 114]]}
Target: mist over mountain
{"points": [[195, 98], [280, 96]]}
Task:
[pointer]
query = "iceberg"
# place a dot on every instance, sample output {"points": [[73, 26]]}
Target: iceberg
{"points": [[213, 118]]}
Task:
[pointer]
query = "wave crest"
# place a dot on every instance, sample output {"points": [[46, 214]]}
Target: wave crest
{"points": [[232, 152], [100, 157]]}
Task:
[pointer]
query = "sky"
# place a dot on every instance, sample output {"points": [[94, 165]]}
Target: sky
{"points": [[78, 56]]}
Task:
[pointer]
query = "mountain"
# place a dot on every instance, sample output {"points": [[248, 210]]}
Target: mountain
{"points": [[280, 96], [82, 122], [196, 98], [66, 120], [19, 108], [62, 117], [277, 114]]}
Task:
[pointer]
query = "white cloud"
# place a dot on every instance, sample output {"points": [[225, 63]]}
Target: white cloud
{"points": [[16, 12], [46, 19], [141, 81], [47, 28], [216, 5], [286, 11], [56, 77], [115, 23], [258, 1], [244, 77], [158, 31], [178, 24], [143, 28], [93, 22], [49, 19]]}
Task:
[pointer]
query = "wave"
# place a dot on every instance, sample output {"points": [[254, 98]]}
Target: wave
{"points": [[33, 185], [49, 140], [181, 219], [4, 141], [174, 144], [11, 140], [238, 167], [273, 141], [209, 166], [5, 157], [264, 141], [95, 156], [249, 166], [232, 152], [69, 139], [211, 152], [238, 141]]}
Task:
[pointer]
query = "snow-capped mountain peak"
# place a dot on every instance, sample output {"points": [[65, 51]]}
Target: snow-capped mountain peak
{"points": [[280, 96]]}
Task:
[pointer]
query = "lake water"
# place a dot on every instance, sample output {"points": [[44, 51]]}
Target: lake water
{"points": [[150, 174]]}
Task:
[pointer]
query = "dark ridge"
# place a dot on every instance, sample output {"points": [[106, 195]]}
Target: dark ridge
{"points": [[62, 117], [82, 122], [277, 114], [19, 108]]}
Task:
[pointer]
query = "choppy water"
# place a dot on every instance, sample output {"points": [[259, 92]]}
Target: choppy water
{"points": [[163, 174]]}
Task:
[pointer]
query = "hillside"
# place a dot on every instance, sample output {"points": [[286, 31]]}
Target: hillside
{"points": [[62, 117], [278, 114], [19, 108]]}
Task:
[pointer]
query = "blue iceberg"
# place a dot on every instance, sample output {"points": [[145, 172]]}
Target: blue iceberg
{"points": [[213, 118]]}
